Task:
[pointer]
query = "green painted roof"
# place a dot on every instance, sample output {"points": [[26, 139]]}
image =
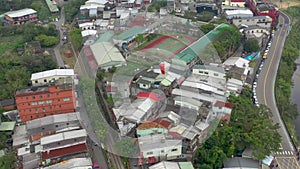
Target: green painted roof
{"points": [[198, 46], [7, 126], [131, 33], [166, 82], [186, 165], [52, 8], [106, 37], [186, 57]]}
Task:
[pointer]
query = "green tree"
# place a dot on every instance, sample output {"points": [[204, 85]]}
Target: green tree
{"points": [[47, 41], [207, 28], [139, 38], [7, 160], [76, 38], [205, 16], [125, 147], [251, 45]]}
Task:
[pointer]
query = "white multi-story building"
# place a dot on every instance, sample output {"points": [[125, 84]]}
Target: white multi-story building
{"points": [[42, 78], [209, 70], [160, 147]]}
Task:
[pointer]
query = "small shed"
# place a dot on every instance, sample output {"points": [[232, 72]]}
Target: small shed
{"points": [[69, 53]]}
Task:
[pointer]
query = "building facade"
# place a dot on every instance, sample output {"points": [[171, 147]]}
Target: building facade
{"points": [[20, 17], [41, 101]]}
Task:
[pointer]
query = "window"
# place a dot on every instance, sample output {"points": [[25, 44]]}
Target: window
{"points": [[31, 117], [206, 73], [36, 110], [56, 125], [67, 124], [174, 149], [36, 81], [33, 103], [48, 101], [50, 107], [48, 95], [57, 94], [149, 153], [200, 71], [66, 99], [58, 143], [41, 96], [59, 106], [45, 115], [45, 80], [216, 74], [33, 97], [28, 104], [162, 151], [26, 98], [41, 102]]}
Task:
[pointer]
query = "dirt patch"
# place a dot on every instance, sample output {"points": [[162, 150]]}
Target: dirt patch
{"points": [[286, 4], [68, 60]]}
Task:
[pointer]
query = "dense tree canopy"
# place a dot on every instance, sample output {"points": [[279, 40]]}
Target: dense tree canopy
{"points": [[227, 41], [71, 9], [207, 27], [251, 45], [76, 38], [245, 129], [285, 72]]}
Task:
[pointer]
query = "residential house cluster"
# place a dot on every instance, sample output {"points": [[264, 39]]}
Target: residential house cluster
{"points": [[254, 21], [173, 104], [19, 17], [50, 133]]}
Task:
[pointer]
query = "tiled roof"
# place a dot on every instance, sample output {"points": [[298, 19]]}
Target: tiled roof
{"points": [[223, 104]]}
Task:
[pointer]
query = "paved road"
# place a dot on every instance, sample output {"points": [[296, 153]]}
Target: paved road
{"points": [[266, 94], [56, 49], [266, 80]]}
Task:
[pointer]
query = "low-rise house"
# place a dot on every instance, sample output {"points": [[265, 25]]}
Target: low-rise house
{"points": [[62, 144], [236, 61], [7, 127], [191, 94], [262, 21], [150, 128], [238, 73], [187, 102], [87, 26], [243, 13], [223, 110], [128, 115], [172, 165], [204, 7], [19, 17], [234, 86], [255, 29], [45, 77], [239, 162], [73, 163], [52, 124], [209, 71], [154, 148], [8, 104], [20, 137], [129, 35], [238, 3]]}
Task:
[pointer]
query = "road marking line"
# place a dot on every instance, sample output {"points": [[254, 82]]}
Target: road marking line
{"points": [[269, 67]]}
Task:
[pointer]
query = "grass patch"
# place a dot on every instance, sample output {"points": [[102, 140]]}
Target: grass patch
{"points": [[71, 61]]}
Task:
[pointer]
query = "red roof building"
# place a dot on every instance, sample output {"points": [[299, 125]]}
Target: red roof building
{"points": [[79, 148], [153, 96], [41, 101]]}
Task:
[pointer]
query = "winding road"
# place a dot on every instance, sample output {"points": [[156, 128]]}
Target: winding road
{"points": [[266, 93]]}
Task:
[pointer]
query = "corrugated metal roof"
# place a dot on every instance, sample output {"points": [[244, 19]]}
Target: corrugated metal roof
{"points": [[210, 67], [131, 33], [165, 165], [54, 72], [63, 136], [51, 6], [106, 52], [106, 37], [7, 126], [21, 12], [73, 163]]}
